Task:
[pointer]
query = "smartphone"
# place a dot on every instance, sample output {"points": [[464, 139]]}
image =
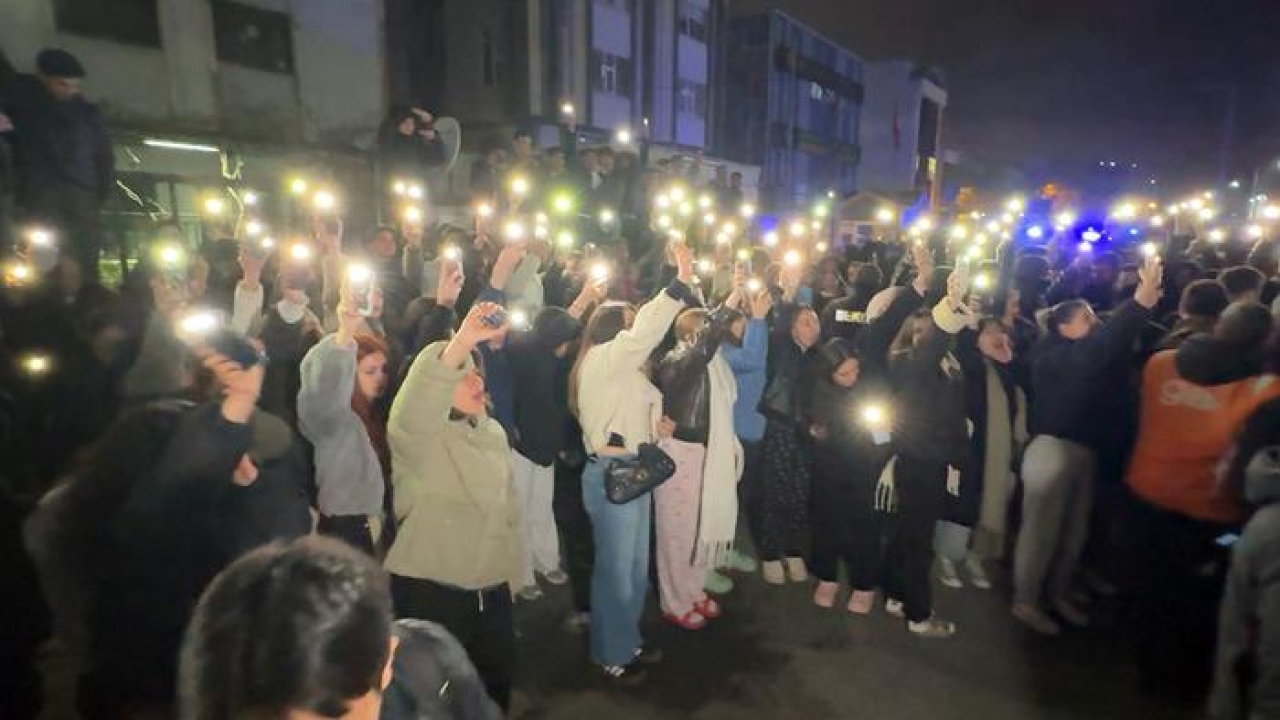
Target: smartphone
{"points": [[495, 318], [1227, 540], [363, 283], [208, 328]]}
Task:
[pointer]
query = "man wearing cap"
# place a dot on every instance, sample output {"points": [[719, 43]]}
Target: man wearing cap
{"points": [[65, 165]]}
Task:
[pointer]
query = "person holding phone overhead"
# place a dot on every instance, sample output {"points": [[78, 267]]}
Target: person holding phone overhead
{"points": [[457, 552], [619, 408]]}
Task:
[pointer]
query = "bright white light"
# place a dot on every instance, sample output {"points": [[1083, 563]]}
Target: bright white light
{"points": [[413, 214], [1149, 249], [1014, 205], [519, 319], [214, 205], [451, 252], [1217, 235], [324, 200], [771, 238], [415, 192], [873, 415], [1127, 211], [359, 273], [959, 232], [484, 210], [1066, 217], [796, 229], [250, 198], [884, 215], [623, 136], [1035, 232], [606, 216], [176, 145], [1207, 214], [792, 258], [520, 185], [705, 266], [754, 285], [513, 231], [1091, 235], [1271, 212], [199, 323], [747, 210], [40, 237], [705, 202], [253, 228], [600, 271], [1254, 231], [300, 252], [567, 109]]}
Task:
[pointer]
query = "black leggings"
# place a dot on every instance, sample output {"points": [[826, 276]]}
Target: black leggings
{"points": [[479, 619], [575, 526], [846, 525], [922, 488]]}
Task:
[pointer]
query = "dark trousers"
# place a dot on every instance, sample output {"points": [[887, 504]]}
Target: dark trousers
{"points": [[1173, 583], [74, 212], [479, 619], [354, 530], [575, 527], [846, 525], [749, 488], [922, 487]]}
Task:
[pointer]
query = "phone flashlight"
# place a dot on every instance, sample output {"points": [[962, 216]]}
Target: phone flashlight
{"points": [[253, 228], [360, 281], [1149, 249], [413, 214], [36, 364], [451, 252], [415, 192], [324, 200], [599, 271], [754, 285], [791, 258], [519, 319], [17, 274], [513, 231]]}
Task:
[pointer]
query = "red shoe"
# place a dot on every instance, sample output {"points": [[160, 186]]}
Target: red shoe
{"points": [[692, 620], [707, 608]]}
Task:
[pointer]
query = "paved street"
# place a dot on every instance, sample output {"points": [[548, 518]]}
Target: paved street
{"points": [[775, 655]]}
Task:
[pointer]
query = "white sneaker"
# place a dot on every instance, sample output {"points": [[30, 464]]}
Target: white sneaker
{"points": [[977, 573], [947, 574], [556, 577], [894, 608], [773, 572], [796, 571], [530, 593], [932, 628]]}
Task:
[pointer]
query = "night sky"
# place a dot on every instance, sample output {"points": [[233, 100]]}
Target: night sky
{"points": [[1050, 88]]}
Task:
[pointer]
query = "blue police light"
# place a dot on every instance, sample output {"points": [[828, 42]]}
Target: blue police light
{"points": [[1090, 235], [1035, 232], [1085, 247]]}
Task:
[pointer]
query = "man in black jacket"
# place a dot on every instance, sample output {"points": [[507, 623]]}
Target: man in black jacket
{"points": [[64, 159]]}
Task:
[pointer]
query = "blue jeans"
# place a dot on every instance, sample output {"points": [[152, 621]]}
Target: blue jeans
{"points": [[620, 579]]}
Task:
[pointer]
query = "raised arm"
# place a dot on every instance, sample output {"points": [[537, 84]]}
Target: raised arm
{"points": [[631, 347]]}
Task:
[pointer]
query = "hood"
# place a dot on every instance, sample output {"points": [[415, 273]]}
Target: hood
{"points": [[1262, 477], [554, 326]]}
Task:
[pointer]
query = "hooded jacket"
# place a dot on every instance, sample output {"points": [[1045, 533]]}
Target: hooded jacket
{"points": [[1246, 682], [540, 409]]}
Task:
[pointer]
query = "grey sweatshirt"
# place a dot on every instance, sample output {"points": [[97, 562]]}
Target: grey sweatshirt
{"points": [[348, 475]]}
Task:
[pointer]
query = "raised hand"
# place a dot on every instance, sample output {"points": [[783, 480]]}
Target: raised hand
{"points": [[1150, 281]]}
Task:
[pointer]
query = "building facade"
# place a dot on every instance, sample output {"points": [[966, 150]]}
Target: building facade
{"points": [[901, 135], [793, 105], [499, 64]]}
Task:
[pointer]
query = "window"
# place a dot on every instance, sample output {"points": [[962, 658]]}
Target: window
{"points": [[692, 98], [615, 74], [253, 37], [135, 22], [693, 21], [821, 94]]}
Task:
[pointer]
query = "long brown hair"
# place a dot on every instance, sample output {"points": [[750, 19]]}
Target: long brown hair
{"points": [[604, 325], [375, 425], [906, 337]]}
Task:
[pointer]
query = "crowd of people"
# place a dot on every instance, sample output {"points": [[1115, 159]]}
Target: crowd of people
{"points": [[455, 407]]}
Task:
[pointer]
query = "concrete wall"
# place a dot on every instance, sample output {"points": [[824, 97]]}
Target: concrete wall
{"points": [[890, 90], [334, 97]]}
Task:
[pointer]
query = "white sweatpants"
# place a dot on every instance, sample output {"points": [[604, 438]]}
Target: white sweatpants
{"points": [[535, 487]]}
